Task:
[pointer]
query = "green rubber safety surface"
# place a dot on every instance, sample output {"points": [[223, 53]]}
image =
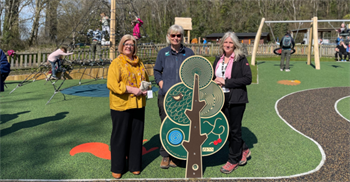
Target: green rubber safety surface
{"points": [[344, 107], [36, 139]]}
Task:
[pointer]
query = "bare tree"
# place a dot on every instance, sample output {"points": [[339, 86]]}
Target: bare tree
{"points": [[2, 9], [51, 20], [39, 6], [11, 31]]}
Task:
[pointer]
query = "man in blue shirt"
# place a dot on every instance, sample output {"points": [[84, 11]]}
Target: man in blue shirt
{"points": [[204, 47]]}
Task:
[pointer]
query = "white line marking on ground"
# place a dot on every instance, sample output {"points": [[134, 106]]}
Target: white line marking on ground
{"points": [[336, 108], [318, 145]]}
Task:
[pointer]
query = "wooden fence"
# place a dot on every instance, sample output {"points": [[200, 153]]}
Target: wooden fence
{"points": [[148, 53]]}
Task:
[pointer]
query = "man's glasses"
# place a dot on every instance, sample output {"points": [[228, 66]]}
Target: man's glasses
{"points": [[129, 45], [175, 35]]}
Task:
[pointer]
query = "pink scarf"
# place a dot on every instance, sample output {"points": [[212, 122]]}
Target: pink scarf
{"points": [[228, 70]]}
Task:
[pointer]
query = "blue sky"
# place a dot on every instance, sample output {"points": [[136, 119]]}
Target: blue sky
{"points": [[26, 12]]}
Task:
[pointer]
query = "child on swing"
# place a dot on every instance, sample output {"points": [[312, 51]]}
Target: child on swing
{"points": [[55, 58], [137, 23]]}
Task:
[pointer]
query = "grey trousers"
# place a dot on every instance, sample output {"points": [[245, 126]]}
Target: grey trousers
{"points": [[285, 54], [95, 47]]}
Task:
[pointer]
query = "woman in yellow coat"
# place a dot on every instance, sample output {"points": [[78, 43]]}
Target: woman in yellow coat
{"points": [[127, 103]]}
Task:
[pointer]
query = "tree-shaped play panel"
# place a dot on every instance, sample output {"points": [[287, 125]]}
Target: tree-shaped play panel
{"points": [[195, 125]]}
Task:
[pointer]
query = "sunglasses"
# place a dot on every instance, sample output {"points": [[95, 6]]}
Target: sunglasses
{"points": [[175, 35], [129, 45]]}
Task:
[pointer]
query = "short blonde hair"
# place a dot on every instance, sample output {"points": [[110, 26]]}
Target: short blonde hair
{"points": [[237, 46], [175, 29], [123, 40]]}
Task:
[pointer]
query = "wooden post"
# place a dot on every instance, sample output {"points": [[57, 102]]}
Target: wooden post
{"points": [[256, 42], [188, 36], [25, 60], [112, 31], [309, 44], [21, 61], [316, 51], [39, 58]]}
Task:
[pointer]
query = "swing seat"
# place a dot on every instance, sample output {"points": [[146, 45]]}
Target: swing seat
{"points": [[278, 51]]}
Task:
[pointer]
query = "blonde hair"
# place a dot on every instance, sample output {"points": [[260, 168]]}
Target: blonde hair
{"points": [[237, 47], [104, 14], [175, 29], [123, 40]]}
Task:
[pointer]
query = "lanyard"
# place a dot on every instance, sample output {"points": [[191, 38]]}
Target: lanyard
{"points": [[223, 68]]}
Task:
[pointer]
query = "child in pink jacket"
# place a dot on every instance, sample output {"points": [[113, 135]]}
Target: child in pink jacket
{"points": [[137, 23], [55, 57]]}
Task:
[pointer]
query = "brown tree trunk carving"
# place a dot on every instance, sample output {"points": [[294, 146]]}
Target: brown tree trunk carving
{"points": [[194, 144]]}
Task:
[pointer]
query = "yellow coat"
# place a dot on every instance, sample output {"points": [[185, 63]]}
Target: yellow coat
{"points": [[117, 79]]}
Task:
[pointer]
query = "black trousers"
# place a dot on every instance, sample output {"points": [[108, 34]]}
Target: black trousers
{"points": [[234, 114], [126, 139], [2, 81], [341, 55], [162, 115]]}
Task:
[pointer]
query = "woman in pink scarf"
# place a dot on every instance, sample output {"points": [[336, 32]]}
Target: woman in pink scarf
{"points": [[233, 74], [137, 23]]}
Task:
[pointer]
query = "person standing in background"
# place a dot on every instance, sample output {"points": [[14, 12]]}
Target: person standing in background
{"points": [[105, 25], [287, 44]]}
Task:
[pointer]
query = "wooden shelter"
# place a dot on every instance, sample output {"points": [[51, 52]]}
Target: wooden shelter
{"points": [[186, 23]]}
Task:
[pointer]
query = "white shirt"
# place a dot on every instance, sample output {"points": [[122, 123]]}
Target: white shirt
{"points": [[219, 74]]}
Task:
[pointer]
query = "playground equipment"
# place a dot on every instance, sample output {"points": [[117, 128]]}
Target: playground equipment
{"points": [[313, 32], [41, 70], [195, 126], [186, 24]]}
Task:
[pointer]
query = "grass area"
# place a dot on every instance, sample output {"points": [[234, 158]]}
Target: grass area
{"points": [[344, 107], [36, 139]]}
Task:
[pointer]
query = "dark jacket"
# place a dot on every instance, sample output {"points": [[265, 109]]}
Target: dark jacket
{"points": [[167, 66], [341, 48], [292, 44], [241, 76], [4, 64]]}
